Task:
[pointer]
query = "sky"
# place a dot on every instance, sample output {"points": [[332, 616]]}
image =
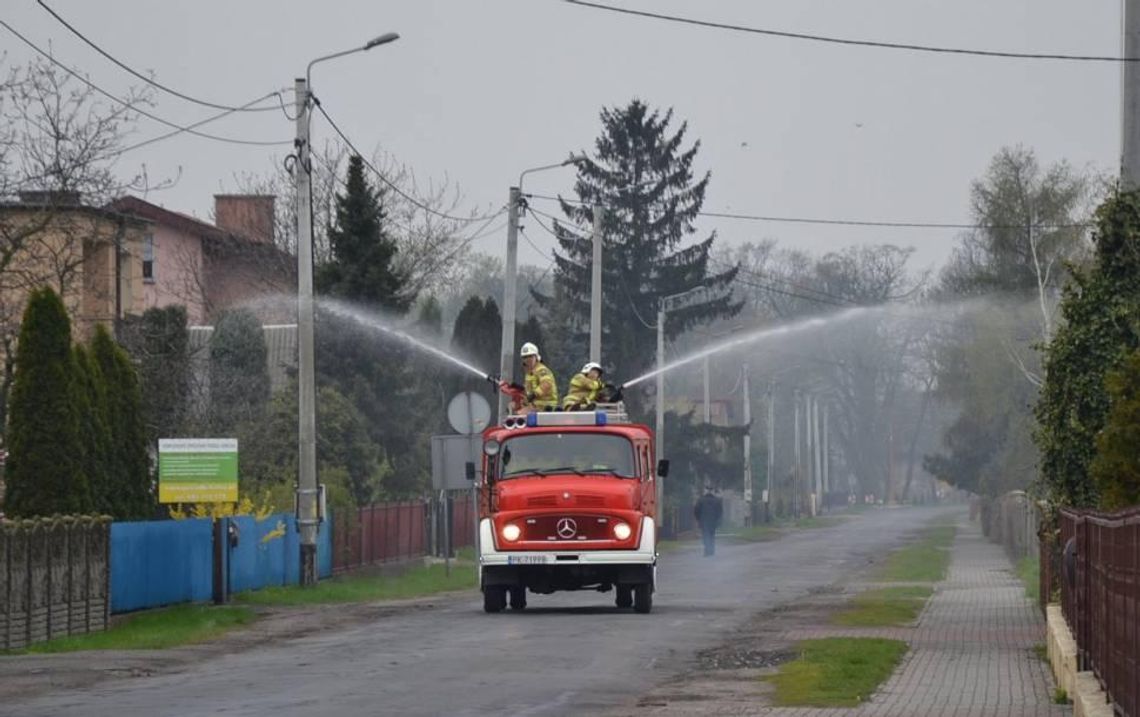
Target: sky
{"points": [[476, 92]]}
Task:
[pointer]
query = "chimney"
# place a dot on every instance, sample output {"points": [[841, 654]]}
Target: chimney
{"points": [[247, 215]]}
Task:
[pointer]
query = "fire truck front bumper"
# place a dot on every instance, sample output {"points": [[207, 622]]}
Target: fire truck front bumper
{"points": [[545, 571]]}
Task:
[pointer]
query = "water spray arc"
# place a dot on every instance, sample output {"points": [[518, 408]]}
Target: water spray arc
{"points": [[348, 311]]}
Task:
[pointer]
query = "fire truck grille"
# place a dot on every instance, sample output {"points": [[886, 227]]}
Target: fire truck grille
{"points": [[568, 528], [591, 501]]}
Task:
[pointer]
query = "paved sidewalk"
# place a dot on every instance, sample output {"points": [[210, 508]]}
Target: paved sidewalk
{"points": [[971, 652]]}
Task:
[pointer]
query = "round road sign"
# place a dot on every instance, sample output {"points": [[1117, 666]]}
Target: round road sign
{"points": [[468, 413]]}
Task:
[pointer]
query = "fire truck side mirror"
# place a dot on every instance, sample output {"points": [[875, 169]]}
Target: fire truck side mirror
{"points": [[470, 468], [663, 467]]}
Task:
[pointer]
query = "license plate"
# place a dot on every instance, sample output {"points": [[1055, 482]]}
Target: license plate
{"points": [[526, 560]]}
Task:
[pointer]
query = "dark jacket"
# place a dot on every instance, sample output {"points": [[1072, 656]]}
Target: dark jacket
{"points": [[708, 511]]}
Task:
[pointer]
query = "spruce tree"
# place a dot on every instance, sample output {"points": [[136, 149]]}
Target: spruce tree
{"points": [[644, 178], [363, 264], [44, 472], [91, 402], [130, 495], [136, 459], [380, 375], [477, 334]]}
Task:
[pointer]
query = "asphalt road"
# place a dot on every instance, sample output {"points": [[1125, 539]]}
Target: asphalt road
{"points": [[571, 653]]}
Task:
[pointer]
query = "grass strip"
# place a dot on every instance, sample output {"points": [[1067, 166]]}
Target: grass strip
{"points": [[154, 630], [923, 561], [836, 671], [883, 607], [1029, 570], [416, 582]]}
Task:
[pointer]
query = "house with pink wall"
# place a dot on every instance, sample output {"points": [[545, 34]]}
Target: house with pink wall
{"points": [[209, 268]]}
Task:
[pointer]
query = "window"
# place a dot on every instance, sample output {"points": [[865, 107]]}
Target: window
{"points": [[148, 258], [584, 453]]}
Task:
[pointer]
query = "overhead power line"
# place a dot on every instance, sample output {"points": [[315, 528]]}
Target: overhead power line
{"points": [[192, 127], [134, 107], [933, 49], [388, 182], [882, 223], [149, 80]]}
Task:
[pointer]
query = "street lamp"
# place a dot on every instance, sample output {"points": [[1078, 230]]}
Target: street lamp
{"points": [[308, 521], [510, 278]]}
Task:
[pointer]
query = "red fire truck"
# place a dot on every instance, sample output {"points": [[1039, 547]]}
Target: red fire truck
{"points": [[568, 501]]}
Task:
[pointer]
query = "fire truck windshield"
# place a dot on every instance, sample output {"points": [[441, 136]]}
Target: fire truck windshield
{"points": [[582, 453]]}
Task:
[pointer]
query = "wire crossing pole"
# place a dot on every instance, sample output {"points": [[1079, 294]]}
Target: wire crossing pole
{"points": [[510, 290], [596, 287], [306, 390], [1130, 98]]}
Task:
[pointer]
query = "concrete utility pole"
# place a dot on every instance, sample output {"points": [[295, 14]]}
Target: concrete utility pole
{"points": [[705, 377], [826, 455], [596, 287], [796, 453], [1130, 98], [308, 519], [510, 289], [809, 450], [816, 454], [307, 522], [769, 498], [659, 400], [747, 447], [511, 280]]}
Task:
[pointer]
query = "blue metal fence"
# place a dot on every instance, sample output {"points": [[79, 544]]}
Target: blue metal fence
{"points": [[155, 563], [266, 553], [161, 563]]}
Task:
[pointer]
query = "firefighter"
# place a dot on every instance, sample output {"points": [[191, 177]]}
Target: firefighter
{"points": [[708, 512], [584, 388], [541, 388]]}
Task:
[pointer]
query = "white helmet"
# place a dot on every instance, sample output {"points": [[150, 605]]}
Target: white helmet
{"points": [[591, 366], [529, 349]]}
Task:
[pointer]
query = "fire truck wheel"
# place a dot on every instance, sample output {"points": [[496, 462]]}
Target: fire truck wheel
{"points": [[518, 598], [643, 597], [494, 598], [624, 596]]}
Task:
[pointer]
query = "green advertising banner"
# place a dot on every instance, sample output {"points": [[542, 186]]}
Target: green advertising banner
{"points": [[197, 470]]}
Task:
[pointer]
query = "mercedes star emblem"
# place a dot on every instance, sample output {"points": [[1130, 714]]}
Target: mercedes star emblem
{"points": [[566, 528]]}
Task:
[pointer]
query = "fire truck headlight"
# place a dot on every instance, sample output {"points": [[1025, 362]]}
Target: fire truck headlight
{"points": [[511, 532], [622, 531]]}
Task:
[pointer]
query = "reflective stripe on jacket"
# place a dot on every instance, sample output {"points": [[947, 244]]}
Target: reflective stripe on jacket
{"points": [[541, 388], [583, 391]]}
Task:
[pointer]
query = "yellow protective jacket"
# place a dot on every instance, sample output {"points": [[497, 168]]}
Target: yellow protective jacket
{"points": [[583, 392], [541, 388]]}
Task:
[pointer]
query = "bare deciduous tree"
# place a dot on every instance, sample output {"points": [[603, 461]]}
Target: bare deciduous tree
{"points": [[58, 143]]}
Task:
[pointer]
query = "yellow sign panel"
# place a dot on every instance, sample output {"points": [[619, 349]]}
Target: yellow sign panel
{"points": [[197, 493]]}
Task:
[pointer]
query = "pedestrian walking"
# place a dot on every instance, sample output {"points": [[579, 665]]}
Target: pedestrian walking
{"points": [[708, 512]]}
